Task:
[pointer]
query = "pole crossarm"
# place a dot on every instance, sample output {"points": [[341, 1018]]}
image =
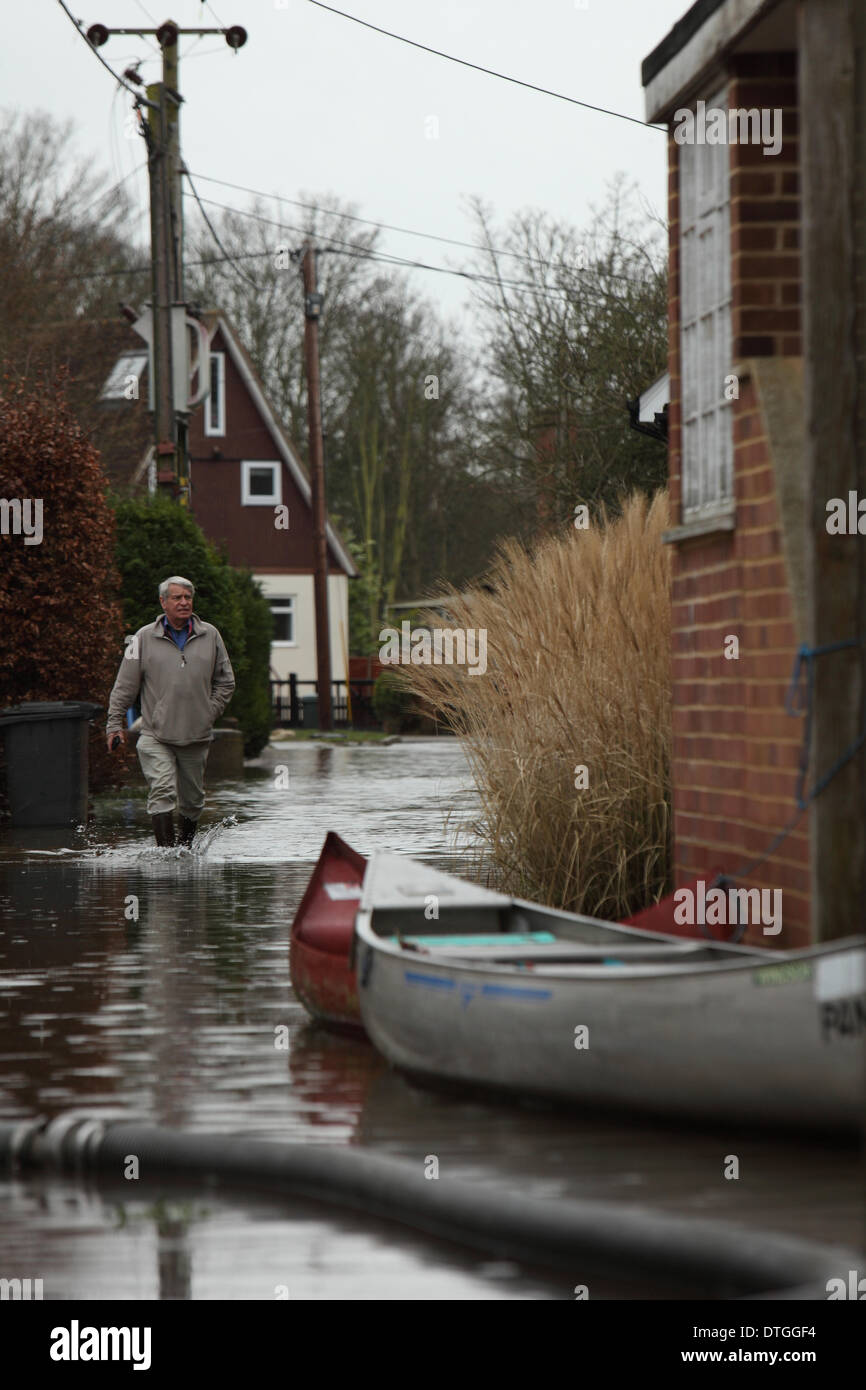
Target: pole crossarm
{"points": [[146, 33], [166, 35]]}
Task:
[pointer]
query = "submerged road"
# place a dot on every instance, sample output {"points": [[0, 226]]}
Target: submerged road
{"points": [[152, 985]]}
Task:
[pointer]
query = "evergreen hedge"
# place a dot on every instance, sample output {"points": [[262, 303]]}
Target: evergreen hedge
{"points": [[157, 538]]}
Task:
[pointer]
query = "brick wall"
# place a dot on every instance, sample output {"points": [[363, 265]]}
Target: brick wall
{"points": [[735, 751], [765, 214]]}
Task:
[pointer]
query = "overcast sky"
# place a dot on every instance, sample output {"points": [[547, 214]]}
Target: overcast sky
{"points": [[316, 104]]}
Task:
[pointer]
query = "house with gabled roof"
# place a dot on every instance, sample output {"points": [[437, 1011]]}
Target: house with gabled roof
{"points": [[764, 103], [242, 469], [249, 490]]}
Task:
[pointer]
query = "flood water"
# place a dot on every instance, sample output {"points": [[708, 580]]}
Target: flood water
{"points": [[147, 984]]}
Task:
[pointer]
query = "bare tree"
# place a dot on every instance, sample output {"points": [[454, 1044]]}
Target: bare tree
{"points": [[403, 461], [63, 236], [260, 287], [575, 325]]}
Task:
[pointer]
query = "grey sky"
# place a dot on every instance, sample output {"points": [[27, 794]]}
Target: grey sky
{"points": [[316, 104]]}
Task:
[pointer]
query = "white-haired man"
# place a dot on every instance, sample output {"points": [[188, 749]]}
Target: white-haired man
{"points": [[180, 668]]}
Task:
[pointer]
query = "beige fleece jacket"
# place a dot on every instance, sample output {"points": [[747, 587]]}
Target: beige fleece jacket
{"points": [[182, 692]]}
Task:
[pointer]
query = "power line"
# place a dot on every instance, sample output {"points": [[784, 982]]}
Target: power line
{"points": [[381, 257], [545, 293], [385, 226], [334, 250], [545, 91], [347, 249], [213, 233], [95, 51], [106, 193], [367, 221], [209, 6], [272, 222], [146, 269], [384, 258]]}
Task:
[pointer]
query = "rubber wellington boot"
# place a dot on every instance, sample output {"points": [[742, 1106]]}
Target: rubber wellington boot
{"points": [[163, 828], [187, 830]]}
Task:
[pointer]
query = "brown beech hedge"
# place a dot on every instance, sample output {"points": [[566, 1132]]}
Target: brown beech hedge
{"points": [[60, 617]]}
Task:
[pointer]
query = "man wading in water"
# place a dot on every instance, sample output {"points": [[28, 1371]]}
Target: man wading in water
{"points": [[181, 669]]}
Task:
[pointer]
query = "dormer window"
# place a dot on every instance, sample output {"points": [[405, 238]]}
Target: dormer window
{"points": [[123, 382], [215, 405]]}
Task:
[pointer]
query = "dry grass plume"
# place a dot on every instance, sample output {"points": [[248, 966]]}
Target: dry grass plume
{"points": [[578, 673]]}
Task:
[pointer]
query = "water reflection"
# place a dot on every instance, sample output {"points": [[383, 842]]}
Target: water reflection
{"points": [[153, 984], [168, 1242]]}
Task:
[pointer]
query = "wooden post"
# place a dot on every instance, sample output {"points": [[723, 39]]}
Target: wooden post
{"points": [[293, 699], [835, 605], [312, 307]]}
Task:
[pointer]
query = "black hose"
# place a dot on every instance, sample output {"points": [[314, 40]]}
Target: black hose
{"points": [[589, 1239]]}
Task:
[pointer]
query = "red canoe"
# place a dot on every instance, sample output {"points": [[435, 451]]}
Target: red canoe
{"points": [[321, 935]]}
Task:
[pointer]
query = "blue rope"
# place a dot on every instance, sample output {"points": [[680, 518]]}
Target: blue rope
{"points": [[805, 659]]}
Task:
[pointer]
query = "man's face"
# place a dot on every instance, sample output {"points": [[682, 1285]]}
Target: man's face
{"points": [[178, 605]]}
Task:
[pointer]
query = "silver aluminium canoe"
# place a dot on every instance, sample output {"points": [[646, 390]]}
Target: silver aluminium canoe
{"points": [[595, 1014]]}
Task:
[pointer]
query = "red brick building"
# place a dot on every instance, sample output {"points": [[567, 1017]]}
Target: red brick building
{"points": [[767, 326]]}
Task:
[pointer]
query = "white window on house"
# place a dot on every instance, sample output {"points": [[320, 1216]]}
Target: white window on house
{"points": [[261, 484], [705, 318], [283, 613], [215, 405], [123, 381]]}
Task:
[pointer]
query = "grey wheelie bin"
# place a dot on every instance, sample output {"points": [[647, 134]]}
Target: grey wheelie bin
{"points": [[45, 750]]}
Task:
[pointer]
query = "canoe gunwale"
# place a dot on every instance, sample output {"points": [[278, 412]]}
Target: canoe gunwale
{"points": [[381, 897], [668, 966]]}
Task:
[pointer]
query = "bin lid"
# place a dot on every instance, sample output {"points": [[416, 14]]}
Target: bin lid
{"points": [[33, 710]]}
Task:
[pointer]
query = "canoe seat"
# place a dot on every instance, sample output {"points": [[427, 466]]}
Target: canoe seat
{"points": [[549, 948], [529, 938]]}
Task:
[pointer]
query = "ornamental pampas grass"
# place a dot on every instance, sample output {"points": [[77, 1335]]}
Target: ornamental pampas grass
{"points": [[578, 677]]}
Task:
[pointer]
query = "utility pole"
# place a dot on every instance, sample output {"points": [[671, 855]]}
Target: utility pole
{"points": [[170, 99], [312, 310], [163, 278], [167, 333]]}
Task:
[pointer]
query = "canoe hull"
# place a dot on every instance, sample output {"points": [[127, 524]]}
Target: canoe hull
{"points": [[321, 936], [751, 1037], [682, 1048], [325, 985]]}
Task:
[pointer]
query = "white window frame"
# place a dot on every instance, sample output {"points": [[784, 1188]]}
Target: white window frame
{"points": [[284, 605], [707, 452], [215, 431], [275, 497]]}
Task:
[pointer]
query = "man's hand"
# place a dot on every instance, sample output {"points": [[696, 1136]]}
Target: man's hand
{"points": [[116, 739]]}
